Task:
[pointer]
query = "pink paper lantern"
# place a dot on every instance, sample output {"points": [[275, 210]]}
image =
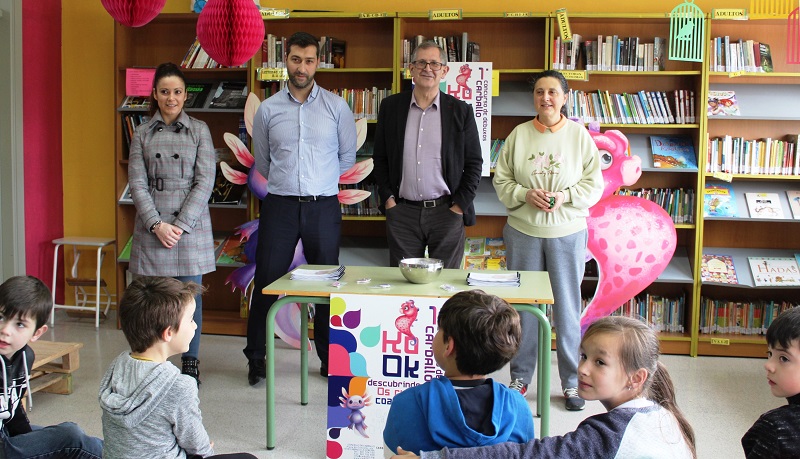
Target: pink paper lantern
{"points": [[133, 13], [230, 31]]}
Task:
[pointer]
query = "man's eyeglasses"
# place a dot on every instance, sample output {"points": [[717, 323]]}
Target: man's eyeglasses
{"points": [[435, 66]]}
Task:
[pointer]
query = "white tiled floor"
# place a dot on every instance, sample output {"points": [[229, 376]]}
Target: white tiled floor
{"points": [[721, 397]]}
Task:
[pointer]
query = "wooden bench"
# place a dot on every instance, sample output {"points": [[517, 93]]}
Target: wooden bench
{"points": [[49, 375]]}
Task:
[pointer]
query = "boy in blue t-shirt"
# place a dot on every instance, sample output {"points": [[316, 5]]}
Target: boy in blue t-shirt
{"points": [[478, 334]]}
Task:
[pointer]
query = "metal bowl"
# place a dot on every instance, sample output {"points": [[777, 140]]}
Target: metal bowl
{"points": [[421, 270]]}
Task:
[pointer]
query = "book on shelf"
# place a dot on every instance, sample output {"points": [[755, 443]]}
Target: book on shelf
{"points": [[722, 103], [474, 245], [232, 251], [719, 201], [219, 240], [125, 196], [794, 202], [774, 271], [338, 49], [718, 268], [226, 192], [764, 205], [131, 102], [125, 254], [196, 94], [230, 94], [766, 57], [484, 253], [673, 152]]}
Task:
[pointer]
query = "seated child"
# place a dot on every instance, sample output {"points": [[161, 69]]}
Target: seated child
{"points": [[478, 334], [619, 367], [25, 306], [777, 432], [150, 409]]}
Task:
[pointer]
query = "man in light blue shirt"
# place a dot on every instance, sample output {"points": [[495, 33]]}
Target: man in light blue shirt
{"points": [[304, 138]]}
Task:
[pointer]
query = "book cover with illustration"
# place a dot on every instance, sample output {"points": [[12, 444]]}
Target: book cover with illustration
{"points": [[474, 245], [719, 201], [225, 192], [232, 252], [766, 57], [774, 271], [723, 103], [673, 152], [794, 202], [196, 94], [764, 205], [379, 346], [230, 94], [718, 268]]}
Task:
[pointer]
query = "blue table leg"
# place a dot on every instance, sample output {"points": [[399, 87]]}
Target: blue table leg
{"points": [[273, 312]]}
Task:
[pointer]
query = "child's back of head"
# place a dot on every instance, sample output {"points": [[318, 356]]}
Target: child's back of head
{"points": [[150, 305], [26, 296], [485, 329]]}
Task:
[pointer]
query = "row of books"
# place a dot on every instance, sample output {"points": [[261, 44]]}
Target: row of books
{"points": [[223, 193], [739, 317], [739, 55], [331, 52], [661, 313], [130, 121], [609, 53], [679, 203], [458, 48], [197, 58], [719, 200], [766, 271], [367, 207], [644, 107], [364, 103], [272, 52], [484, 253], [766, 156], [201, 94]]}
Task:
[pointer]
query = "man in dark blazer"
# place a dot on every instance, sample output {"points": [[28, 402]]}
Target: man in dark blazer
{"points": [[428, 162]]}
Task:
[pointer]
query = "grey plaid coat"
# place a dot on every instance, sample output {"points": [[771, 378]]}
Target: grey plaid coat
{"points": [[171, 174]]}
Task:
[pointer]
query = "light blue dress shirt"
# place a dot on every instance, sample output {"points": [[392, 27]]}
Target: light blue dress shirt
{"points": [[303, 148]]}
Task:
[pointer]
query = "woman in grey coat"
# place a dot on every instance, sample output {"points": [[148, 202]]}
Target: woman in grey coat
{"points": [[171, 171]]}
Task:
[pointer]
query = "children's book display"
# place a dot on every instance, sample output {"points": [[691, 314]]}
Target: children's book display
{"points": [[719, 201], [764, 205], [718, 268], [794, 202], [673, 152], [723, 103], [484, 253], [774, 271]]}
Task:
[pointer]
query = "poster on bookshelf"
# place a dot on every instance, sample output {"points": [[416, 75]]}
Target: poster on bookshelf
{"points": [[774, 271], [764, 205], [472, 83], [718, 268]]}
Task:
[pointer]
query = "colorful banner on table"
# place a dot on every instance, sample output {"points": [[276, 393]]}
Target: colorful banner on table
{"points": [[379, 346], [472, 83]]}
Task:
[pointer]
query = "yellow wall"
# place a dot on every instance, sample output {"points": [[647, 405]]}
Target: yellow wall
{"points": [[88, 92]]}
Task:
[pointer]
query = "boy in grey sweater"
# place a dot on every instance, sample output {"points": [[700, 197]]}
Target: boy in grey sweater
{"points": [[149, 408]]}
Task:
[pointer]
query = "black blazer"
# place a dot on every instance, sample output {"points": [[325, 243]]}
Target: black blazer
{"points": [[461, 150]]}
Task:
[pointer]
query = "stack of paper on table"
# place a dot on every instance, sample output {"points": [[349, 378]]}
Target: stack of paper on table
{"points": [[478, 279], [318, 274]]}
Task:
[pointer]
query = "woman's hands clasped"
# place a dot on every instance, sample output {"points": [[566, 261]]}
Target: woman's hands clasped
{"points": [[547, 201], [169, 235]]}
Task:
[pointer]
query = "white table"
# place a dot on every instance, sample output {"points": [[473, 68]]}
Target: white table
{"points": [[75, 242]]}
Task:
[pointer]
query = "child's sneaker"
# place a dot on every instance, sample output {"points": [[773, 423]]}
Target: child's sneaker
{"points": [[573, 401], [519, 386]]}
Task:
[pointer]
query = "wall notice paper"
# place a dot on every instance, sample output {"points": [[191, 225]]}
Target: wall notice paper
{"points": [[472, 83], [379, 346], [139, 82]]}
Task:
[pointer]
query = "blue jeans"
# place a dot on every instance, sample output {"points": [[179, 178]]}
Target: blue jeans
{"points": [[194, 345], [62, 441]]}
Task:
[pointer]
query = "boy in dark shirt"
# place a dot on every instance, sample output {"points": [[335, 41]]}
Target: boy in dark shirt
{"points": [[776, 434]]}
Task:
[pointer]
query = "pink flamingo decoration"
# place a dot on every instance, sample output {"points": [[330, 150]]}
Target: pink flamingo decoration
{"points": [[631, 238], [288, 318]]}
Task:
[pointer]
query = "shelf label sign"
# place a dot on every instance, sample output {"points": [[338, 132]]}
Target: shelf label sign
{"points": [[735, 74], [517, 14], [444, 15], [272, 74], [578, 75], [274, 13], [724, 176], [729, 13], [372, 15], [721, 341], [563, 24]]}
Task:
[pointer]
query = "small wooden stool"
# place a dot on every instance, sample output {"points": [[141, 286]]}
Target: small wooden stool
{"points": [[54, 377]]}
